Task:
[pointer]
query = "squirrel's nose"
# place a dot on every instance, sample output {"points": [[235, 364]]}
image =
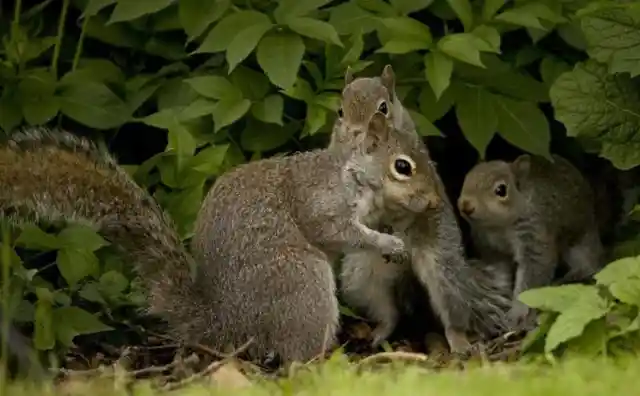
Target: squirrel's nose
{"points": [[466, 207]]}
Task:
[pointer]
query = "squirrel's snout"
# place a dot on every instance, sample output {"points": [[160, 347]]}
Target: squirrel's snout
{"points": [[466, 207]]}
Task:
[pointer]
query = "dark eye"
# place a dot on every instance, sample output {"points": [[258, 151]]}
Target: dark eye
{"points": [[501, 190], [383, 108], [403, 167], [340, 113]]}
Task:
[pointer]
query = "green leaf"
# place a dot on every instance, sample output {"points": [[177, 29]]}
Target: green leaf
{"points": [[551, 68], [10, 109], [75, 264], [269, 110], [405, 28], [92, 104], [301, 90], [355, 50], [253, 84], [589, 306], [613, 37], [280, 56], [44, 337], [90, 292], [558, 298], [502, 77], [196, 15], [464, 12], [246, 41], [228, 111], [328, 100], [32, 237], [112, 284], [261, 137], [73, 321], [490, 7], [476, 115], [622, 277], [81, 237], [316, 118], [349, 18], [523, 124], [591, 102], [127, 10], [529, 15], [209, 160], [315, 29], [423, 125], [438, 68], [94, 6], [223, 33], [434, 108], [288, 9], [180, 141], [465, 47], [215, 87], [37, 96], [405, 7], [402, 46], [490, 36]]}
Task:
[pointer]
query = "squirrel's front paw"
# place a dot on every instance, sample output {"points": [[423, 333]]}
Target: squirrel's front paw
{"points": [[392, 245]]}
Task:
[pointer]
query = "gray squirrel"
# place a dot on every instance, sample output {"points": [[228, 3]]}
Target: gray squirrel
{"points": [[532, 212], [264, 240], [467, 297], [268, 231]]}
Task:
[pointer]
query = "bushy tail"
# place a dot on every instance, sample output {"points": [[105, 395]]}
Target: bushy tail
{"points": [[55, 176]]}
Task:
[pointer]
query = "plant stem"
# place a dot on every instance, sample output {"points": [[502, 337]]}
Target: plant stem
{"points": [[5, 261], [76, 56], [59, 36], [16, 19]]}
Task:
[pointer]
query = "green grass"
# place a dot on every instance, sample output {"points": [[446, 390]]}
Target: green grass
{"points": [[336, 377]]}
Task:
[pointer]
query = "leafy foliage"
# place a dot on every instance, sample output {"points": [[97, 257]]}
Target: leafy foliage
{"points": [[594, 319]]}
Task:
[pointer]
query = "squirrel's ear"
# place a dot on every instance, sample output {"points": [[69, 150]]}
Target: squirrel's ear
{"points": [[348, 76], [377, 132], [389, 80], [521, 164]]}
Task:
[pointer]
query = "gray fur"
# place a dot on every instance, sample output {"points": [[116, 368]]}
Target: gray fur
{"points": [[547, 213]]}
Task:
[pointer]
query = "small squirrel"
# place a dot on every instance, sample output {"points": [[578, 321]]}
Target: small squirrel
{"points": [[532, 212], [461, 295], [268, 231]]}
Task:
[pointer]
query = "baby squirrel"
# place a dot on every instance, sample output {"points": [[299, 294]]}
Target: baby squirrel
{"points": [[268, 231], [532, 212], [466, 299]]}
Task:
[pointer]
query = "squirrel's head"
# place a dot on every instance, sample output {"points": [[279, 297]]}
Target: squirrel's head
{"points": [[410, 180], [363, 97], [490, 193]]}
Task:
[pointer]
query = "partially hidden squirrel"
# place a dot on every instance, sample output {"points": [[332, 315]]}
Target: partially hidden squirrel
{"points": [[467, 298], [533, 212], [269, 231]]}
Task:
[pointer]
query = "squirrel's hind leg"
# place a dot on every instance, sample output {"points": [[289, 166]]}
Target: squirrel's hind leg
{"points": [[367, 282], [585, 258]]}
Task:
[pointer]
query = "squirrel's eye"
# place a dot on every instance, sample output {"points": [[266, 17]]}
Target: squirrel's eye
{"points": [[501, 190], [383, 108], [403, 167], [340, 113]]}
